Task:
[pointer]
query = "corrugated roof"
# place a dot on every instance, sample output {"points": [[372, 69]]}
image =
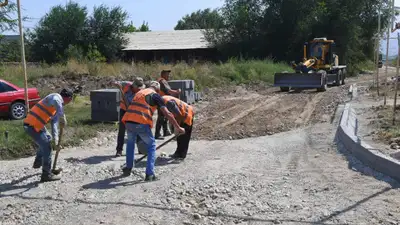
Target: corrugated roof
{"points": [[166, 40]]}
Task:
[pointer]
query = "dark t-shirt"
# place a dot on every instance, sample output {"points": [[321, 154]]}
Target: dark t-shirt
{"points": [[155, 100], [164, 86], [173, 108]]}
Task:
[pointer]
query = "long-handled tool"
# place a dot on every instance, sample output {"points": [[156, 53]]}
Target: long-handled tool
{"points": [[158, 147], [58, 148]]}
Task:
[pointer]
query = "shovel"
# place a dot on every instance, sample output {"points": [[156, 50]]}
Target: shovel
{"points": [[158, 147], [58, 148]]}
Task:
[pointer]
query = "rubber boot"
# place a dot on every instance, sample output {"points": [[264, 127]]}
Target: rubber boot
{"points": [[37, 163], [149, 178], [49, 177], [126, 172]]}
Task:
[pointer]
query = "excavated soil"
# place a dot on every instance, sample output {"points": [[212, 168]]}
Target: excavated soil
{"points": [[248, 112]]}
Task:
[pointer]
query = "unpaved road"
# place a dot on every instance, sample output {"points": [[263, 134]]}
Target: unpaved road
{"points": [[292, 177]]}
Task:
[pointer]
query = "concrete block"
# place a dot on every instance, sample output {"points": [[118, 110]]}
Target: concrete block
{"points": [[187, 88], [105, 105]]}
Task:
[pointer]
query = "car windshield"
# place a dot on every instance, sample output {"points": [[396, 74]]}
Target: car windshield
{"points": [[5, 87]]}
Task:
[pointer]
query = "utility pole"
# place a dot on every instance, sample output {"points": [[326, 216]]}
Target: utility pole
{"points": [[378, 44], [387, 49], [21, 34], [396, 86]]}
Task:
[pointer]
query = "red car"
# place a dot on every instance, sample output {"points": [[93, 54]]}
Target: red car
{"points": [[12, 100]]}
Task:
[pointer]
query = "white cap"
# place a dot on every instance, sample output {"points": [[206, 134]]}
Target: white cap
{"points": [[155, 84]]}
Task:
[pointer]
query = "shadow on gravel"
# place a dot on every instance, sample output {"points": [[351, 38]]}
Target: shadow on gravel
{"points": [[355, 205], [175, 209], [356, 165], [14, 186], [91, 160], [112, 182]]}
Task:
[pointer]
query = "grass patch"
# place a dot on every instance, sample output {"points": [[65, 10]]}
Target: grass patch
{"points": [[79, 128], [204, 74], [362, 66]]}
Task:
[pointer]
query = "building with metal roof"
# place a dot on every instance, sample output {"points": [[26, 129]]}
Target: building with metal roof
{"points": [[169, 46]]}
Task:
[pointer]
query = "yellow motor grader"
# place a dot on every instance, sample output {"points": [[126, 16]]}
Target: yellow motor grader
{"points": [[319, 68]]}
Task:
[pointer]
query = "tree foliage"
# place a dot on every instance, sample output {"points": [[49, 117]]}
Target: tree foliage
{"points": [[201, 19], [278, 28], [69, 32], [59, 29]]}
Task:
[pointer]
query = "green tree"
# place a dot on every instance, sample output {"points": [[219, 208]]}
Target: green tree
{"points": [[201, 19], [10, 50], [105, 29], [131, 28], [278, 28], [58, 30], [7, 22]]}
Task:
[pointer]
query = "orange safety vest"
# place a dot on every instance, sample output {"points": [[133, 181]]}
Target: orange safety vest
{"points": [[40, 115], [186, 111], [159, 81], [125, 89], [139, 110]]}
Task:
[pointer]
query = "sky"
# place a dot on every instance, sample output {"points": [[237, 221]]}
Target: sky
{"points": [[160, 14]]}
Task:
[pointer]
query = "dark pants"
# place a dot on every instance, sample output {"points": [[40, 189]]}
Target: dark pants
{"points": [[183, 141], [121, 131], [162, 121]]}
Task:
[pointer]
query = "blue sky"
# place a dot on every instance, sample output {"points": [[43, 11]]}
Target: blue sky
{"points": [[160, 14]]}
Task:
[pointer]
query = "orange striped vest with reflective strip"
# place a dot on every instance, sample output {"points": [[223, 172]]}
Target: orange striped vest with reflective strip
{"points": [[125, 89], [139, 110], [40, 115], [159, 81], [186, 111]]}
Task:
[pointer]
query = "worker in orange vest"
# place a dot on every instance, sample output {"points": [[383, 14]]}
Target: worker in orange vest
{"points": [[139, 120], [184, 114], [129, 89], [50, 108], [165, 89]]}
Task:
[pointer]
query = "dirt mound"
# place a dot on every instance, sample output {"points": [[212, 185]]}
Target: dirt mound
{"points": [[246, 113], [83, 83]]}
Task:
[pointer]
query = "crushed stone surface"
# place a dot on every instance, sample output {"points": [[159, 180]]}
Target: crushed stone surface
{"points": [[294, 175]]}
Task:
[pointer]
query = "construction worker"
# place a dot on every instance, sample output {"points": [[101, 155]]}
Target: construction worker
{"points": [[49, 108], [184, 114], [129, 89], [139, 121], [165, 89]]}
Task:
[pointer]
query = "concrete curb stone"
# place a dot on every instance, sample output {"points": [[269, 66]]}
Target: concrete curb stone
{"points": [[346, 135]]}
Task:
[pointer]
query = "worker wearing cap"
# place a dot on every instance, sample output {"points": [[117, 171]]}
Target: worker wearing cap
{"points": [[138, 120], [50, 108], [129, 89], [184, 114], [165, 89]]}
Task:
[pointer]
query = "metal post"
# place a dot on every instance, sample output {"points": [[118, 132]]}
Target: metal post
{"points": [[21, 33], [397, 82], [387, 50], [378, 49]]}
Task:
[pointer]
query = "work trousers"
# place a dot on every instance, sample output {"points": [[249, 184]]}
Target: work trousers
{"points": [[143, 131], [183, 141], [162, 121], [121, 131], [43, 140]]}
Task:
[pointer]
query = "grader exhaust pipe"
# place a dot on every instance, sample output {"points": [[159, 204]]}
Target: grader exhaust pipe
{"points": [[2, 4]]}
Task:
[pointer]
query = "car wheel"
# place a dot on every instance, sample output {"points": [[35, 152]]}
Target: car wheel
{"points": [[17, 111]]}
